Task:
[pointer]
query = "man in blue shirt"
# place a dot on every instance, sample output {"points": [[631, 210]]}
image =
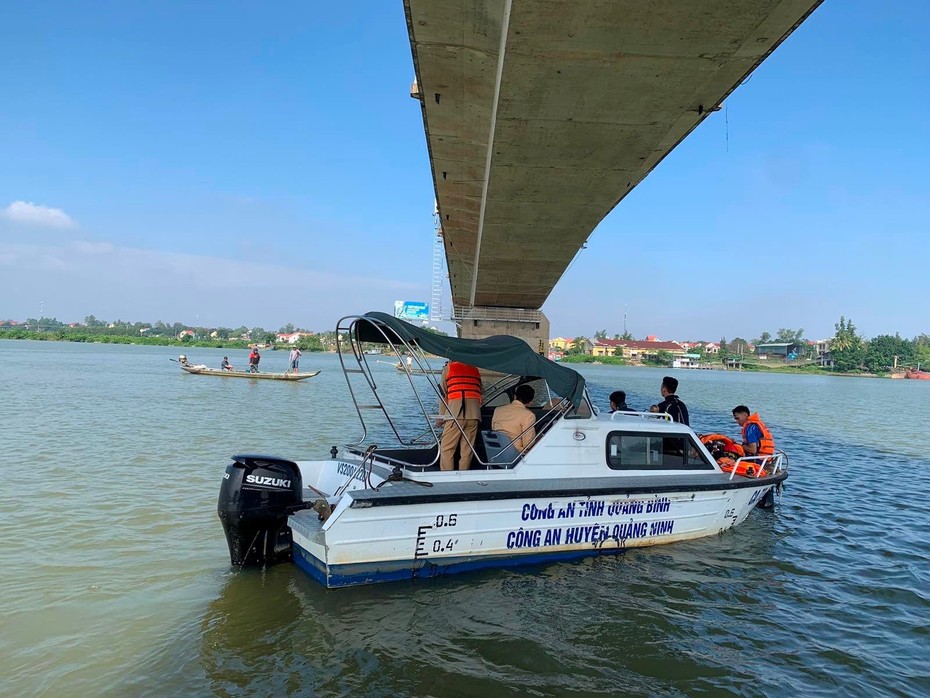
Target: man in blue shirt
{"points": [[757, 439]]}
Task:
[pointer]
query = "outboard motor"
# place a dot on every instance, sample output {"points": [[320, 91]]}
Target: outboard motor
{"points": [[257, 495]]}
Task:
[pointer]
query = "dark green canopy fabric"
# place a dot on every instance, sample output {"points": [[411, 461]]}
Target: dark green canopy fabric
{"points": [[501, 353]]}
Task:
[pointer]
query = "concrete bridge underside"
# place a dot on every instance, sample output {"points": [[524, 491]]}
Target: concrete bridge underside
{"points": [[542, 115]]}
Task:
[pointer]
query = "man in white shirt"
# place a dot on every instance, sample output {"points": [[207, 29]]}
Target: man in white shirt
{"points": [[516, 420]]}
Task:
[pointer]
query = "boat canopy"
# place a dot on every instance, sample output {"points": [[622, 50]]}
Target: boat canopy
{"points": [[501, 353]]}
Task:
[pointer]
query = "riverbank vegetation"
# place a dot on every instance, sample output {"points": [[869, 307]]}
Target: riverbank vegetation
{"points": [[162, 334], [846, 353], [588, 359]]}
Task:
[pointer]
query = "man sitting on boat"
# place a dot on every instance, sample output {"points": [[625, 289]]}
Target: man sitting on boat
{"points": [[618, 402], [516, 419], [757, 439], [226, 366]]}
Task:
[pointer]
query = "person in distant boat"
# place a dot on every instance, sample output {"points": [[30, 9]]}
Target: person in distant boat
{"points": [[618, 402], [182, 359], [226, 366], [254, 358], [672, 404], [757, 439], [516, 419], [461, 387], [295, 359]]}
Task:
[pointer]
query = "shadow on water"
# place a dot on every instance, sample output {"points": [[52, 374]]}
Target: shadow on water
{"points": [[673, 621]]}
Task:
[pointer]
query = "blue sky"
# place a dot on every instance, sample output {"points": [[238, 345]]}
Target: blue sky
{"points": [[258, 164]]}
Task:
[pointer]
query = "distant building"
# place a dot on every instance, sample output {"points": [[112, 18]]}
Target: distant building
{"points": [[823, 352], [636, 350], [291, 337], [561, 344], [784, 350], [686, 361]]}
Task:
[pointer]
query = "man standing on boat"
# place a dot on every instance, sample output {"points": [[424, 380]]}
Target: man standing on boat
{"points": [[295, 359], [757, 439], [461, 386], [516, 420], [254, 358], [671, 404]]}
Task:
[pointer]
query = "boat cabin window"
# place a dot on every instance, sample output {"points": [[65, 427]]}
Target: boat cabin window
{"points": [[646, 451], [583, 411], [541, 398]]}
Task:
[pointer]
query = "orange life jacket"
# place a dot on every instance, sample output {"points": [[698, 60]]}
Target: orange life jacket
{"points": [[463, 382], [744, 468], [728, 444], [767, 444]]}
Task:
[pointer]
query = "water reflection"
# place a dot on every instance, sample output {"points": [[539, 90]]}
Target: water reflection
{"points": [[133, 594], [638, 622]]}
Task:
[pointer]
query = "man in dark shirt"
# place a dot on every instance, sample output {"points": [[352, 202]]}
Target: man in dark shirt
{"points": [[671, 405]]}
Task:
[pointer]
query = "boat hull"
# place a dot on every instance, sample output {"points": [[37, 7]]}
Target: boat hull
{"points": [[918, 375], [197, 371], [449, 533]]}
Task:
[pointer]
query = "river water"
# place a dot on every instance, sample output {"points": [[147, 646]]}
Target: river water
{"points": [[114, 573]]}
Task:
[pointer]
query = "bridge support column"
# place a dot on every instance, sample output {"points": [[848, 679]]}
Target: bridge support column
{"points": [[532, 326]]}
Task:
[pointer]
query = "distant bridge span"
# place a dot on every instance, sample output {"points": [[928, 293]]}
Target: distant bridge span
{"points": [[542, 115]]}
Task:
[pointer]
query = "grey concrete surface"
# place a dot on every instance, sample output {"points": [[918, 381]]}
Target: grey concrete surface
{"points": [[593, 95]]}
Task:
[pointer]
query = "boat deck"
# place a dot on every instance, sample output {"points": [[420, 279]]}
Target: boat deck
{"points": [[407, 492]]}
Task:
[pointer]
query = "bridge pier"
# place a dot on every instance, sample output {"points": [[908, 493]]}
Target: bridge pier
{"points": [[478, 322]]}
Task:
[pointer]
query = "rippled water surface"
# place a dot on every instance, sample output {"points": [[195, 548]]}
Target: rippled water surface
{"points": [[114, 574]]}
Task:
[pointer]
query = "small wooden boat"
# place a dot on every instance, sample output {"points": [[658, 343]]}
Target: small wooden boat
{"points": [[417, 371], [203, 370], [917, 374]]}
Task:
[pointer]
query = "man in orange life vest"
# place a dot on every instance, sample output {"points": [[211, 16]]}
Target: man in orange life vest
{"points": [[461, 385], [757, 439]]}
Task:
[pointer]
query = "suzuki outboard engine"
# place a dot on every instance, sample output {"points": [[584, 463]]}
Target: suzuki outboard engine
{"points": [[257, 495]]}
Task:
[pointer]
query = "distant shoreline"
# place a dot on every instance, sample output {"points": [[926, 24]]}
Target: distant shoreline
{"points": [[748, 368], [146, 341], [243, 344]]}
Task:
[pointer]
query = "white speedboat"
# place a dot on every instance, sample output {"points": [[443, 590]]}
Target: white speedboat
{"points": [[380, 509]]}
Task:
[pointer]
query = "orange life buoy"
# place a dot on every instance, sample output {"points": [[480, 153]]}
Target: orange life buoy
{"points": [[726, 452], [720, 444], [744, 468]]}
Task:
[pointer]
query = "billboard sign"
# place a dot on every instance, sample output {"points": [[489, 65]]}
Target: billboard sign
{"points": [[415, 311]]}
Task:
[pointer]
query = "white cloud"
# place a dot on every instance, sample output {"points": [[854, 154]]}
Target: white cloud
{"points": [[36, 214], [93, 248], [78, 277]]}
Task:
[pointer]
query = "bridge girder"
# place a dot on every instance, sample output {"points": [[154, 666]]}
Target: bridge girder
{"points": [[542, 115]]}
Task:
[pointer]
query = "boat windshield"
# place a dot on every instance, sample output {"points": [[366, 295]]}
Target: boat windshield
{"points": [[399, 401]]}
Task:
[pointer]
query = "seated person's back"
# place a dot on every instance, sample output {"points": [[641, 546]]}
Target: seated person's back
{"points": [[516, 420]]}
